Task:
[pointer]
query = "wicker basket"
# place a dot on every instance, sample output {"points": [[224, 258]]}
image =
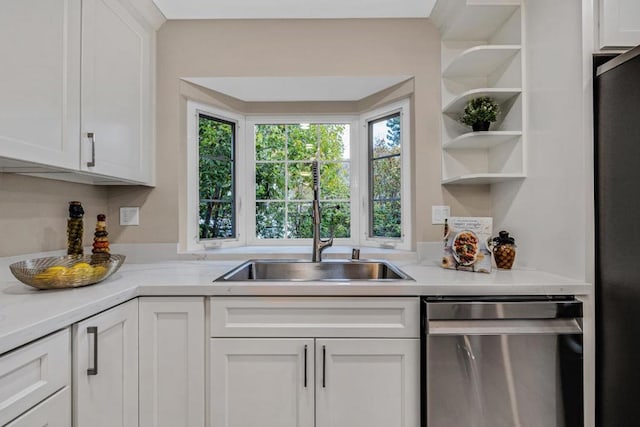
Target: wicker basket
{"points": [[69, 271]]}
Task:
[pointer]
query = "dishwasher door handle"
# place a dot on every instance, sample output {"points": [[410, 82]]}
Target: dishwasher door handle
{"points": [[504, 327]]}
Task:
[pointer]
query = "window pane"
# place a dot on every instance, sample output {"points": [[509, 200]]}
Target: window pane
{"points": [[216, 138], [385, 136], [216, 220], [334, 142], [302, 142], [216, 178], [336, 220], [270, 220], [270, 142], [300, 222], [386, 219], [334, 181], [386, 178], [300, 181], [270, 181]]}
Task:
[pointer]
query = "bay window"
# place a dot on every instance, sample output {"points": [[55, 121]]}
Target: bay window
{"points": [[253, 183]]}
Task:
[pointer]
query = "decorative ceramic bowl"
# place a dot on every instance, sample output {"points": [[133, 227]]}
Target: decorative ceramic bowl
{"points": [[69, 271]]}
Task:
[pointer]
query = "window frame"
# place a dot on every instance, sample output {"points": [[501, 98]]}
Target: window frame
{"points": [[251, 122], [193, 241], [405, 240]]}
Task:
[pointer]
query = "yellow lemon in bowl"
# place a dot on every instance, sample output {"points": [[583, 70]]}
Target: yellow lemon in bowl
{"points": [[81, 271], [99, 271], [53, 274]]}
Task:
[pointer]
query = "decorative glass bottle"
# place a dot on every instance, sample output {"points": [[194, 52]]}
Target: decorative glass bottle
{"points": [[504, 250], [75, 229]]}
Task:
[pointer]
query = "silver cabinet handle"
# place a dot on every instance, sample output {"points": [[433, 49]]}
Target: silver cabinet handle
{"points": [[504, 327], [94, 330], [92, 136], [305, 366]]}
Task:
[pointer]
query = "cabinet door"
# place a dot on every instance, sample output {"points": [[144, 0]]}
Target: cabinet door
{"points": [[172, 362], [116, 95], [368, 382], [261, 382], [619, 23], [53, 412], [39, 81], [105, 368]]}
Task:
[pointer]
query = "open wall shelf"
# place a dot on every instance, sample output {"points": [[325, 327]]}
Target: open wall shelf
{"points": [[481, 140], [482, 178], [500, 95], [482, 60], [482, 51]]}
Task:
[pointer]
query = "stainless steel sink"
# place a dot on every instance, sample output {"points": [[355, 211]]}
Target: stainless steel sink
{"points": [[303, 271]]}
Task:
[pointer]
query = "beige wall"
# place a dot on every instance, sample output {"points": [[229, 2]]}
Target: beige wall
{"points": [[33, 213], [293, 48]]}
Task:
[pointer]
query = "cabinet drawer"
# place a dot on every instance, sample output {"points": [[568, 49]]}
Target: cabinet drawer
{"points": [[31, 373], [53, 412], [315, 317]]}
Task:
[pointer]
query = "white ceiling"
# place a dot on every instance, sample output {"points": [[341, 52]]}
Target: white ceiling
{"points": [[287, 89], [294, 9]]}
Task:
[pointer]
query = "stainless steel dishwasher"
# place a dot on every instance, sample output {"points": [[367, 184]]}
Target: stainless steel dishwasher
{"points": [[502, 362]]}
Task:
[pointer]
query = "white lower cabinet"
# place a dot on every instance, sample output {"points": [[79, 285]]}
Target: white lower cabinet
{"points": [[350, 382], [105, 368], [367, 383], [261, 382], [172, 362], [53, 412], [30, 375], [316, 381]]}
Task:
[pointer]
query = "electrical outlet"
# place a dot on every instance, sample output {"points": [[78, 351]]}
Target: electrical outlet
{"points": [[439, 213], [130, 216]]}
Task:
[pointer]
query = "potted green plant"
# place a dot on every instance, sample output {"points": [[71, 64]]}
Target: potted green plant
{"points": [[479, 113]]}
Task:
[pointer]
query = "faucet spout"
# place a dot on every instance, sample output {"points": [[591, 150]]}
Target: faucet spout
{"points": [[318, 244]]}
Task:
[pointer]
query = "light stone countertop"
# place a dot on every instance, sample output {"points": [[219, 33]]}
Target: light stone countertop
{"points": [[27, 313]]}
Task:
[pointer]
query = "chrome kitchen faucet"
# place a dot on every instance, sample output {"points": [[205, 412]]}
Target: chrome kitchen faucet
{"points": [[318, 244]]}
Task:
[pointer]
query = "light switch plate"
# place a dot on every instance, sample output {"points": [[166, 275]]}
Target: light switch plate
{"points": [[439, 213], [130, 216]]}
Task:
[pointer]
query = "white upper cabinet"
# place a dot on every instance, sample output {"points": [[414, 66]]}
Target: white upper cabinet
{"points": [[619, 23], [482, 54], [39, 105], [75, 68], [116, 92]]}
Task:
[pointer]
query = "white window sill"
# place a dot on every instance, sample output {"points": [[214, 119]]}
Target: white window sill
{"points": [[299, 252]]}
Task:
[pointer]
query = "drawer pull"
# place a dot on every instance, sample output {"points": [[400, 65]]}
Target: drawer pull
{"points": [[324, 366], [94, 330], [92, 137], [305, 366]]}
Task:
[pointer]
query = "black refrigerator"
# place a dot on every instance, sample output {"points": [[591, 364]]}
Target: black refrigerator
{"points": [[617, 238]]}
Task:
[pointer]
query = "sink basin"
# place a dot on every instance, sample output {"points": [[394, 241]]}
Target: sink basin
{"points": [[303, 271]]}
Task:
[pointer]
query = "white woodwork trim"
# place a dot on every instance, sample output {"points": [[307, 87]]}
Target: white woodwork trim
{"points": [[405, 241]]}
